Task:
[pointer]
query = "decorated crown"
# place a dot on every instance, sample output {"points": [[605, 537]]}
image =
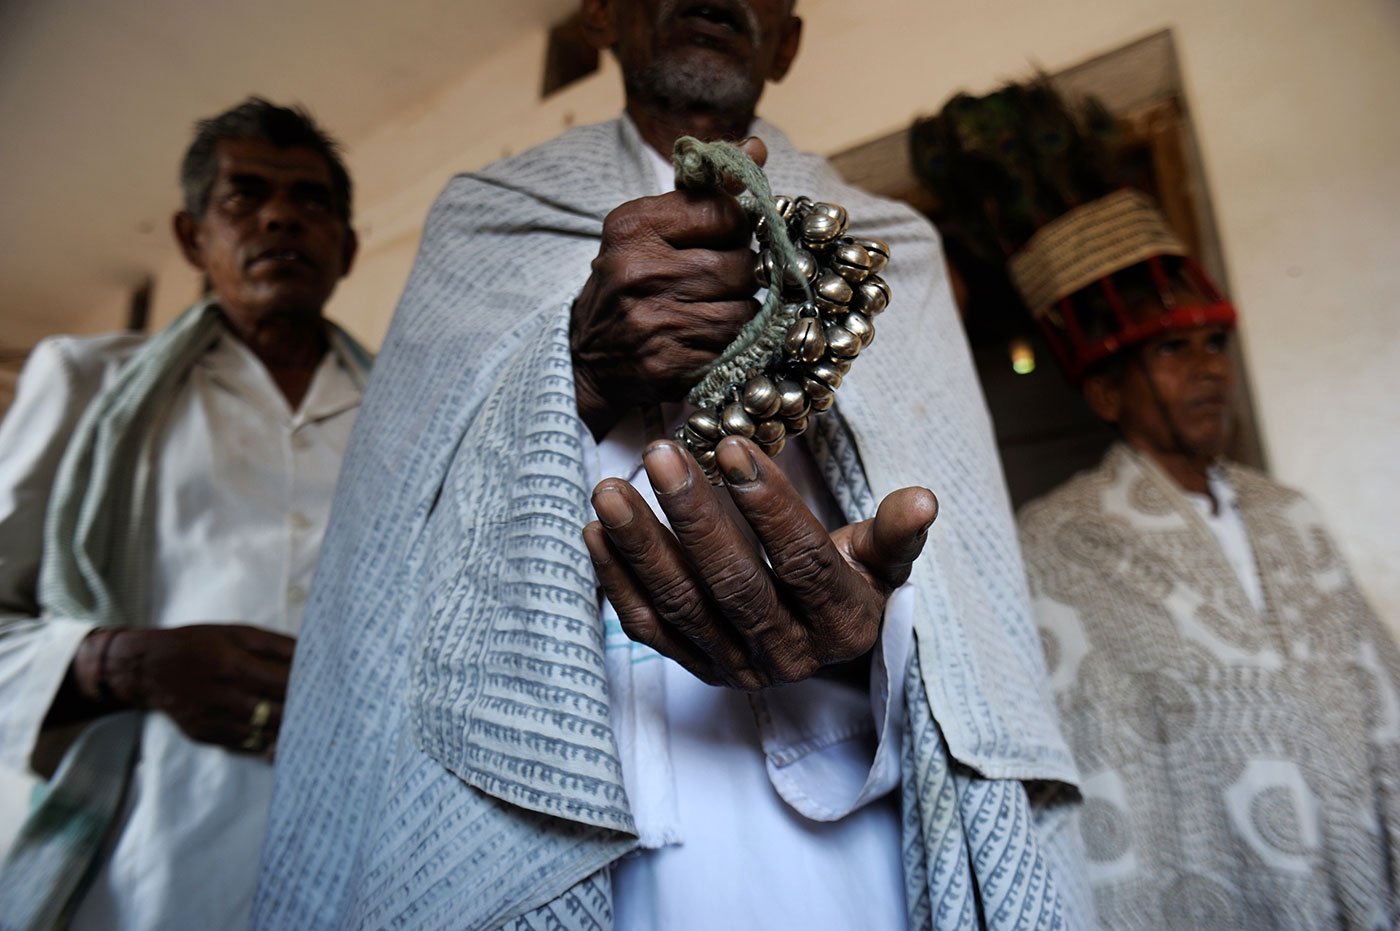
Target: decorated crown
{"points": [[1024, 182]]}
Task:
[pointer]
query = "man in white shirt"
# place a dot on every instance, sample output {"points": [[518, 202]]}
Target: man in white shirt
{"points": [[244, 441], [477, 738]]}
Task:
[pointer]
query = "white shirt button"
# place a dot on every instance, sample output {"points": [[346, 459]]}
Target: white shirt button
{"points": [[296, 594], [300, 521]]}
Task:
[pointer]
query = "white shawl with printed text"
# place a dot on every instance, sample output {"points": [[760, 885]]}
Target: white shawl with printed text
{"points": [[447, 759]]}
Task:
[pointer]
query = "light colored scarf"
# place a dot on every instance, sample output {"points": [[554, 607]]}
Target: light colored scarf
{"points": [[447, 758], [96, 566]]}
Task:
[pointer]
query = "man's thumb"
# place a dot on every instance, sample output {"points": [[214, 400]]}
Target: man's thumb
{"points": [[895, 538], [755, 149]]}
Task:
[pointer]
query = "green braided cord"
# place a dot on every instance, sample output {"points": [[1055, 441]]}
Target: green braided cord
{"points": [[703, 166]]}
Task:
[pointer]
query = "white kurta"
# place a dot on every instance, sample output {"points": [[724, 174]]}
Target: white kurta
{"points": [[241, 507], [805, 829], [1221, 512]]}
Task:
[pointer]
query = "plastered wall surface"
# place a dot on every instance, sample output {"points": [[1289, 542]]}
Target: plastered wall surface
{"points": [[1299, 124]]}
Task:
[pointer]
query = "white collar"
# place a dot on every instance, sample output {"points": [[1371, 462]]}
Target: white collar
{"points": [[237, 368]]}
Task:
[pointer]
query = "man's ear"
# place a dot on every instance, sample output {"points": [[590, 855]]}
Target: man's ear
{"points": [[186, 230], [788, 44], [596, 19], [1105, 397]]}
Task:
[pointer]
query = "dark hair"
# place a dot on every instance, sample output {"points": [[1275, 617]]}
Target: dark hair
{"points": [[1113, 368], [256, 118]]}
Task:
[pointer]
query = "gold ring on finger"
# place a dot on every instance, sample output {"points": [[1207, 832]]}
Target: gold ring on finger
{"points": [[257, 739], [262, 713]]}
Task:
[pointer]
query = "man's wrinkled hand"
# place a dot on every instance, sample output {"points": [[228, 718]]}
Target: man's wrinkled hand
{"points": [[672, 285], [703, 594], [208, 678]]}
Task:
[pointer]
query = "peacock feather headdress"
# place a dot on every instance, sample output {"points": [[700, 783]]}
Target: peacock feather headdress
{"points": [[1026, 182]]}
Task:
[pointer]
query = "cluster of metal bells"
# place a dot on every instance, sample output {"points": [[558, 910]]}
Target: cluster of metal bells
{"points": [[832, 328]]}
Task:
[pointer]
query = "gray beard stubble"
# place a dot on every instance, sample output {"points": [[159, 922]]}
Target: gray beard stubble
{"points": [[680, 81]]}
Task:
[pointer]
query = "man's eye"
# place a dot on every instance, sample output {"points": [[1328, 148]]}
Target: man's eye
{"points": [[236, 200], [315, 198], [1170, 347], [1218, 342]]}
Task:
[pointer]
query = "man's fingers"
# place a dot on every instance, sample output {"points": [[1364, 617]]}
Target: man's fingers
{"points": [[717, 214], [274, 718], [270, 724], [620, 584], [754, 148], [699, 220], [734, 572], [799, 547], [840, 610], [708, 275], [267, 643], [634, 610], [888, 545], [664, 577], [265, 678], [690, 346]]}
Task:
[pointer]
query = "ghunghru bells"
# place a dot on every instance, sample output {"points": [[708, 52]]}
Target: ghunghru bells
{"points": [[831, 329]]}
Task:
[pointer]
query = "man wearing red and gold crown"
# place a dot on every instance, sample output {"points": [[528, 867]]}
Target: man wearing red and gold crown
{"points": [[1229, 695]]}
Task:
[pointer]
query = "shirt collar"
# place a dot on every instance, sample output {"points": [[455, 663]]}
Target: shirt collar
{"points": [[1221, 488], [238, 369], [1225, 499], [332, 391]]}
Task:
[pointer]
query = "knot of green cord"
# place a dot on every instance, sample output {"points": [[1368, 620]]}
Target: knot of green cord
{"points": [[704, 166]]}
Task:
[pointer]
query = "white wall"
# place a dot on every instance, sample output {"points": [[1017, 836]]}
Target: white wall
{"points": [[1296, 106]]}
